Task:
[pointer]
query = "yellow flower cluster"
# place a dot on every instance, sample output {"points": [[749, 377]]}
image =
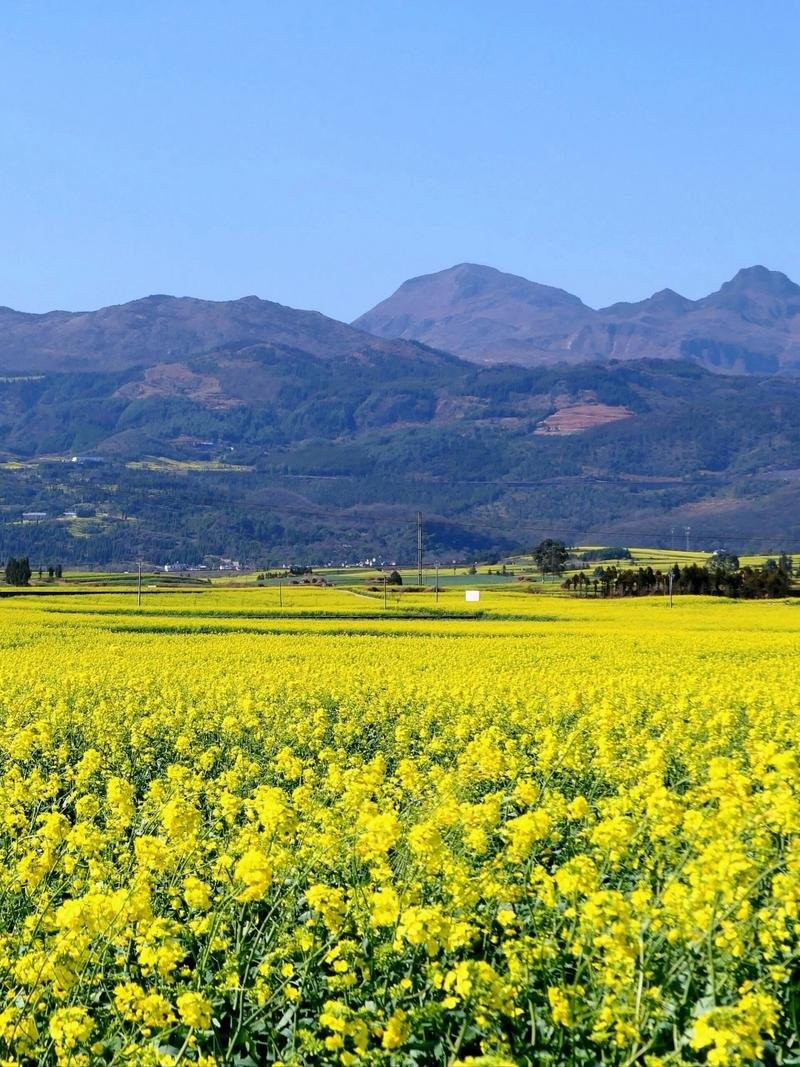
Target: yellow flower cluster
{"points": [[559, 834]]}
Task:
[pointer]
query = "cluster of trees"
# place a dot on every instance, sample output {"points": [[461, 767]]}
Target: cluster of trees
{"points": [[18, 571], [746, 582], [583, 584], [694, 579], [722, 575], [393, 578], [643, 581], [56, 571]]}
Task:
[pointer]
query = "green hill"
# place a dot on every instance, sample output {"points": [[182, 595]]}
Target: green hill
{"points": [[272, 452]]}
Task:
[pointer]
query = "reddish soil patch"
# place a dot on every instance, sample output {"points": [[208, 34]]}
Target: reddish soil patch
{"points": [[175, 379], [576, 418]]}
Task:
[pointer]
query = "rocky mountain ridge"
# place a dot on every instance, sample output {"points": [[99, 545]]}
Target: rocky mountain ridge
{"points": [[750, 325]]}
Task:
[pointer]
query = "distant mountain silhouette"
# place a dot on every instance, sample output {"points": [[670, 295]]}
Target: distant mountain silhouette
{"points": [[751, 325], [166, 329]]}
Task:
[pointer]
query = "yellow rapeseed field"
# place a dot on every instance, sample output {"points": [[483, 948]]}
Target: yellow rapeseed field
{"points": [[560, 832]]}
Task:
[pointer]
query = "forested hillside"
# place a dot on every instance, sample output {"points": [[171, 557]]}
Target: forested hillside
{"points": [[270, 453]]}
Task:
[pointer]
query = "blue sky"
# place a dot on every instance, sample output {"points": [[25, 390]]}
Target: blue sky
{"points": [[320, 153]]}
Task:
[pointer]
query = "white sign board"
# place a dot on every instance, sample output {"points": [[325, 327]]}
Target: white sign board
{"points": [[472, 596]]}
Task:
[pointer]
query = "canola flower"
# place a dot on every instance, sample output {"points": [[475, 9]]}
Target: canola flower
{"points": [[566, 837]]}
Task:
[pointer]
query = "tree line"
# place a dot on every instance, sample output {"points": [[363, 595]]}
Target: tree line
{"points": [[694, 579], [721, 575]]}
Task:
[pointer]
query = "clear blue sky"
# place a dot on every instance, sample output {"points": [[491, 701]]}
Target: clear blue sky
{"points": [[320, 153]]}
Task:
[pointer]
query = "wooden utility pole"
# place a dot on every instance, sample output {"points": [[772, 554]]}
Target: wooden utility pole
{"points": [[139, 587], [419, 548]]}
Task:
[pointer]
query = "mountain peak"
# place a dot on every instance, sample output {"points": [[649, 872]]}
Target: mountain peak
{"points": [[475, 279], [664, 302], [761, 279], [669, 296], [757, 296], [474, 270], [472, 309]]}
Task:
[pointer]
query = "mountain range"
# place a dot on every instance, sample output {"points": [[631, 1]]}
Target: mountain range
{"points": [[176, 428], [751, 325], [158, 330]]}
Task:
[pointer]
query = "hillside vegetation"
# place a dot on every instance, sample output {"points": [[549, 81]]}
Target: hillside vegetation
{"points": [[292, 454]]}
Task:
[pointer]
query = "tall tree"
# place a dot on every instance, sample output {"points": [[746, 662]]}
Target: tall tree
{"points": [[724, 561], [551, 556]]}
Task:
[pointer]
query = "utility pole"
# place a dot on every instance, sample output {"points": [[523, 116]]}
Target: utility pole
{"points": [[419, 548], [671, 578], [688, 532], [139, 587], [437, 581], [384, 592]]}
